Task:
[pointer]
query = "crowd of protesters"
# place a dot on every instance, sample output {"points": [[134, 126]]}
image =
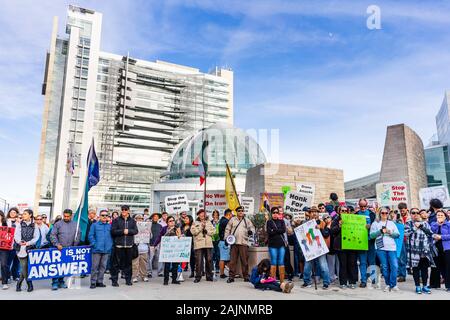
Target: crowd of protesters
{"points": [[222, 242]]}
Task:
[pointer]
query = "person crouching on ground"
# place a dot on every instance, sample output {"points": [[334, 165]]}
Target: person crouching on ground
{"points": [[261, 278], [203, 230], [171, 267]]}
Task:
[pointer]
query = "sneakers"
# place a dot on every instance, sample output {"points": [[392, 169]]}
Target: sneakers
{"points": [[306, 285], [352, 286], [135, 280], [325, 287], [395, 289], [418, 290], [230, 280], [129, 283], [166, 283], [5, 287], [288, 287], [176, 282], [401, 279], [145, 279], [54, 286], [100, 285], [387, 289], [62, 285], [93, 286], [115, 284], [426, 290], [363, 285], [222, 276], [343, 286]]}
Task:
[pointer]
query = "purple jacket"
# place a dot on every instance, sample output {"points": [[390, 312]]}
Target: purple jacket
{"points": [[445, 233]]}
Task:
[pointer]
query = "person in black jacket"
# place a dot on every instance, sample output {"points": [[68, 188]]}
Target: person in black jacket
{"points": [[277, 244], [348, 268], [123, 230]]}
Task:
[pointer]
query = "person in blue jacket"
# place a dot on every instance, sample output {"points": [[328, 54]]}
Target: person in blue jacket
{"points": [[261, 279], [101, 242]]}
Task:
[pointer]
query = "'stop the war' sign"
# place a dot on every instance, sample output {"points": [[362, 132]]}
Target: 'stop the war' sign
{"points": [[391, 193]]}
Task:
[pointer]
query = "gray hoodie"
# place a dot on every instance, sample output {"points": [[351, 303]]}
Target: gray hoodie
{"points": [[63, 233]]}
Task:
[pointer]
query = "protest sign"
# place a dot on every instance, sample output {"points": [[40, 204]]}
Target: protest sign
{"points": [[391, 193], [311, 240], [6, 238], [54, 263], [309, 189], [177, 203], [174, 249], [285, 190], [439, 192], [399, 240], [299, 215], [248, 203], [144, 232], [355, 235], [275, 199], [296, 202]]}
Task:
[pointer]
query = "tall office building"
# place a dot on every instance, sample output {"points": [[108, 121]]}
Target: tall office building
{"points": [[136, 111]]}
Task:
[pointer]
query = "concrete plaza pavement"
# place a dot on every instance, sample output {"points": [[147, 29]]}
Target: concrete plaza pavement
{"points": [[218, 290]]}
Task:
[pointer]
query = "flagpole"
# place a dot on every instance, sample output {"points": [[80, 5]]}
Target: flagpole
{"points": [[206, 175]]}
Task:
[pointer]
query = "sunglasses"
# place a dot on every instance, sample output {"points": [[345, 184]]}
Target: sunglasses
{"points": [[104, 215], [38, 219], [414, 212], [383, 212], [275, 212]]}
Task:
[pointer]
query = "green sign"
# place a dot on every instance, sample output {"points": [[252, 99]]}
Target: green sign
{"points": [[285, 190], [354, 232]]}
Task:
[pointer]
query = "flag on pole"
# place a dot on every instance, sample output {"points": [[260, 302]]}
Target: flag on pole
{"points": [[92, 178], [230, 191], [201, 163]]}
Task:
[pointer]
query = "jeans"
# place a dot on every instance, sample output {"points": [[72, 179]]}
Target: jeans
{"points": [[99, 261], [421, 271], [4, 266], [333, 266], [170, 267], [277, 256], [14, 264], [389, 266], [402, 262], [152, 254], [323, 266], [367, 258]]}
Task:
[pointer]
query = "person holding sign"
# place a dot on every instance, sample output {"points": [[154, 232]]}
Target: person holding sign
{"points": [[140, 263], [385, 232], [171, 267], [237, 234], [348, 268], [418, 248], [203, 230], [13, 261], [441, 230], [277, 243], [25, 238], [223, 246], [186, 231], [4, 253], [64, 234]]}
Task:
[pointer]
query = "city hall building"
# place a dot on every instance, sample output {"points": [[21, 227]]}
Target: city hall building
{"points": [[136, 111]]}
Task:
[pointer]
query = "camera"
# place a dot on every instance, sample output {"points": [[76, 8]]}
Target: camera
{"points": [[383, 229], [204, 232], [249, 233], [318, 221]]}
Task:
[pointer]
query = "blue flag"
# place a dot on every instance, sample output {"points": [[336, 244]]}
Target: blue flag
{"points": [[92, 178]]}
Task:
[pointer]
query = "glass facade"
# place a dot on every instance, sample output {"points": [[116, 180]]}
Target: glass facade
{"points": [[437, 166]]}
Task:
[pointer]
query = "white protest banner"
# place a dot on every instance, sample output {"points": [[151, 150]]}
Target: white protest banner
{"points": [[248, 203], [215, 200], [174, 249], [309, 189], [144, 232], [299, 215], [177, 203], [311, 240], [296, 201], [391, 193], [439, 192]]}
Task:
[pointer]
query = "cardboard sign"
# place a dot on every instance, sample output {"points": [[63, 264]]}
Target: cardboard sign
{"points": [[177, 203], [296, 202], [6, 238], [391, 194], [53, 263], [249, 205], [355, 235], [309, 189], [439, 192], [275, 199], [144, 232], [311, 241], [215, 200], [175, 250], [299, 215]]}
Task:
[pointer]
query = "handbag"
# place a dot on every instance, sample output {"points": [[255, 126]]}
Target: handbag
{"points": [[134, 251]]}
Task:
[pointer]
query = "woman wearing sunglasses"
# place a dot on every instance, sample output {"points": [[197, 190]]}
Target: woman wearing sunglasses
{"points": [[277, 243], [418, 248], [385, 232]]}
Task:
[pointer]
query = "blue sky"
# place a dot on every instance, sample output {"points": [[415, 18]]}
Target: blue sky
{"points": [[309, 68]]}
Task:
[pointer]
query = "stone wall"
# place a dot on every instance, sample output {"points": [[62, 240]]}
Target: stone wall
{"points": [[326, 180]]}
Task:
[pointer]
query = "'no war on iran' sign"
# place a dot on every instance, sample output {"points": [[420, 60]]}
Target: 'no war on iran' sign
{"points": [[53, 263]]}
